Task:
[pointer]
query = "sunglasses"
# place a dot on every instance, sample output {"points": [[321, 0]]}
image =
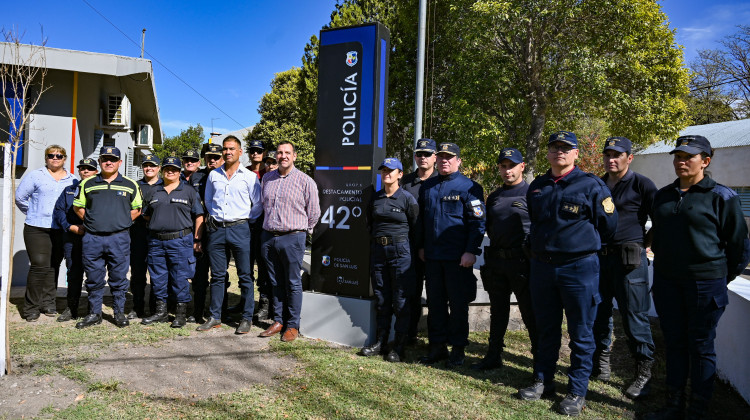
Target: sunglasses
{"points": [[55, 156], [110, 159], [189, 160], [424, 154], [256, 151], [555, 149]]}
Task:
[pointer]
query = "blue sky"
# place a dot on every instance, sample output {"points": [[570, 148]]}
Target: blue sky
{"points": [[229, 50]]}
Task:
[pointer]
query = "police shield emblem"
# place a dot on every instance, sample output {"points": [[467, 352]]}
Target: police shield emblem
{"points": [[351, 58], [326, 260]]}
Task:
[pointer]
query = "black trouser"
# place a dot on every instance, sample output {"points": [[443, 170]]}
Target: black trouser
{"points": [[45, 250], [138, 266], [415, 301], [265, 288], [500, 278], [73, 248]]}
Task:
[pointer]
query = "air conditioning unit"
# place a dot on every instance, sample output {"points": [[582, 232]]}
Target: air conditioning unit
{"points": [[145, 136], [118, 111]]}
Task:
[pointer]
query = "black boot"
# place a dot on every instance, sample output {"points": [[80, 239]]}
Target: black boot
{"points": [[641, 385], [160, 314], [493, 359], [89, 320], [179, 316], [602, 370], [398, 351], [378, 347], [674, 409], [457, 357], [261, 311], [437, 353], [697, 409]]}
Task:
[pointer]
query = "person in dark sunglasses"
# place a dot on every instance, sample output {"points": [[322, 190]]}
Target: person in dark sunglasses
{"points": [[36, 197]]}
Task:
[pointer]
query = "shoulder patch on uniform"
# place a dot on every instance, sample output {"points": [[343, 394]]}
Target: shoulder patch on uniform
{"points": [[518, 204], [608, 205], [724, 192]]}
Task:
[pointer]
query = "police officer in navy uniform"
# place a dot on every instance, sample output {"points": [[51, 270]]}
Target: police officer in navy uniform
{"points": [[213, 158], [391, 215], [452, 228], [107, 203], [424, 156], [139, 240], [506, 267], [700, 244], [624, 268], [65, 218], [175, 214], [571, 214], [191, 164]]}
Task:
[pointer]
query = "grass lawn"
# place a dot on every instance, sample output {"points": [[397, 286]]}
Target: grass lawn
{"points": [[333, 382]]}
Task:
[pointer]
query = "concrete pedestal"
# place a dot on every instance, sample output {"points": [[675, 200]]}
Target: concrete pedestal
{"points": [[338, 319]]}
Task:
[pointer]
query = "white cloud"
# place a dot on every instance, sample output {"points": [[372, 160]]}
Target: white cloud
{"points": [[710, 25]]}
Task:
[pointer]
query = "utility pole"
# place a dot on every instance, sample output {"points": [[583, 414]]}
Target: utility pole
{"points": [[419, 103], [143, 41]]}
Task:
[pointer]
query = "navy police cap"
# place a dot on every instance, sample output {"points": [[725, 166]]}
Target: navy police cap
{"points": [[152, 159], [172, 161], [693, 145], [426, 145], [109, 151], [213, 149], [618, 144], [91, 163], [391, 163], [564, 137], [256, 144], [449, 148], [510, 153], [191, 154]]}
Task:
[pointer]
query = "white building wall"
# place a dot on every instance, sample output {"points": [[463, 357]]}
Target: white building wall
{"points": [[728, 167]]}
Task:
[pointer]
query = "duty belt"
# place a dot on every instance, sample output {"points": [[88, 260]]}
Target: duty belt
{"points": [[561, 258], [504, 253], [615, 249], [387, 240], [165, 236], [228, 224]]}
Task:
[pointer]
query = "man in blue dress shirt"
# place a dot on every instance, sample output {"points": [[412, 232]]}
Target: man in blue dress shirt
{"points": [[233, 202]]}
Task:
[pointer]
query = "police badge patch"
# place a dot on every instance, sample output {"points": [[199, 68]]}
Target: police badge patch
{"points": [[351, 58], [476, 205], [609, 205]]}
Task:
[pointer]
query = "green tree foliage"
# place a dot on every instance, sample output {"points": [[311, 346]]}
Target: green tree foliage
{"points": [[189, 138], [510, 72]]}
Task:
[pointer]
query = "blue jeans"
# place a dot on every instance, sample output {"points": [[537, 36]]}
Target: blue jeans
{"points": [[573, 287], [169, 264], [283, 255], [449, 286], [222, 242], [392, 283], [631, 289], [689, 311], [102, 254]]}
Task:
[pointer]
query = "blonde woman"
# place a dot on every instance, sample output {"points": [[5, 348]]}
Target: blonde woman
{"points": [[36, 197]]}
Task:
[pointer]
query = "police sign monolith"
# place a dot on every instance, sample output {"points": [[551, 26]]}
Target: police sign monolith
{"points": [[350, 143]]}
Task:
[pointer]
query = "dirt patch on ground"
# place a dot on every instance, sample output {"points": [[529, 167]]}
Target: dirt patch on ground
{"points": [[27, 395], [195, 367]]}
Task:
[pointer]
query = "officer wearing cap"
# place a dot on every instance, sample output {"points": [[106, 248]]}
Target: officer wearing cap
{"points": [[107, 203], [65, 218], [191, 163], [214, 159], [506, 267], [450, 232], [139, 240], [700, 243], [571, 214], [391, 216], [424, 156], [270, 162], [624, 268], [175, 214]]}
